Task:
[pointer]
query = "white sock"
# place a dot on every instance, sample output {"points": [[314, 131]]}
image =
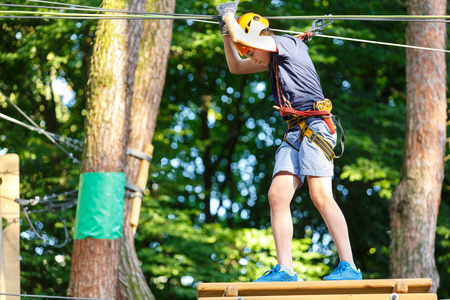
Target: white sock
{"points": [[287, 270], [353, 266]]}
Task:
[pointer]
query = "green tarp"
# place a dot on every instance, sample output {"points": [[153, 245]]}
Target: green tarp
{"points": [[100, 205]]}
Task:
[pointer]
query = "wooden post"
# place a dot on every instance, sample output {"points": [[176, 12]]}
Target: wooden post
{"points": [[141, 182], [231, 291], [10, 210], [400, 287], [2, 259]]}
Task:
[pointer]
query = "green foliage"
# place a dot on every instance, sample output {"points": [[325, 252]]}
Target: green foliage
{"points": [[179, 254], [443, 237], [33, 55], [206, 215], [368, 170]]}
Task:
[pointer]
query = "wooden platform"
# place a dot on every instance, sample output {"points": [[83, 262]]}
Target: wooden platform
{"points": [[377, 289]]}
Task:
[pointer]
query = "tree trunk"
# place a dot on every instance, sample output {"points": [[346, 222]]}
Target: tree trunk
{"points": [[415, 202], [148, 88], [95, 262]]}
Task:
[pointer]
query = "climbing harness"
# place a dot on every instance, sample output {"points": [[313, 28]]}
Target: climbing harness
{"points": [[321, 109], [298, 118]]}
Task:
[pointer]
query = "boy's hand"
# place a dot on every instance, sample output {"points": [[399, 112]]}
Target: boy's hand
{"points": [[223, 10], [223, 28], [226, 9]]}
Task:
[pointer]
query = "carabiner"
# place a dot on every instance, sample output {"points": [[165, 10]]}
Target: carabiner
{"points": [[318, 26]]}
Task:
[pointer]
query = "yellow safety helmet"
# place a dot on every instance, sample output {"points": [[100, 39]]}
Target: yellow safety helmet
{"points": [[252, 24]]}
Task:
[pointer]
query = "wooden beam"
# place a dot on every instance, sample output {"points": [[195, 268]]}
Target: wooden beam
{"points": [[10, 210], [374, 286], [141, 179], [336, 297]]}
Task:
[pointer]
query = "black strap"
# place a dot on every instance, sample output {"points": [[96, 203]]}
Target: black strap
{"points": [[342, 137], [139, 154]]}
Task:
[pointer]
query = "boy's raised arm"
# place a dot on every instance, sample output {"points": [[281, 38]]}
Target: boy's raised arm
{"points": [[230, 29]]}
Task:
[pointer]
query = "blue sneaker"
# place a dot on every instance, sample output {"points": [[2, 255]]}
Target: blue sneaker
{"points": [[274, 274], [344, 271]]}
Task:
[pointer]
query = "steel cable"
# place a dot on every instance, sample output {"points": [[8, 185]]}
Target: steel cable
{"points": [[40, 130], [49, 297], [178, 16], [366, 41], [160, 16]]}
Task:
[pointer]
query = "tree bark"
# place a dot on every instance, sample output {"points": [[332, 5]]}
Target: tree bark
{"points": [[148, 88], [95, 262], [415, 203]]}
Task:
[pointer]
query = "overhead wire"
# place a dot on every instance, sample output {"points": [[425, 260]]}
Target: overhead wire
{"points": [[44, 239], [383, 43], [92, 8], [350, 39], [387, 18], [175, 16], [48, 297], [63, 205], [329, 17], [52, 204], [129, 14], [119, 15], [62, 15], [138, 15], [366, 41], [46, 199], [39, 129], [73, 143]]}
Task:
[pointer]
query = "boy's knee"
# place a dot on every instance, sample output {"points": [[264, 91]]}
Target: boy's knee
{"points": [[321, 200], [276, 197], [282, 189], [273, 197]]}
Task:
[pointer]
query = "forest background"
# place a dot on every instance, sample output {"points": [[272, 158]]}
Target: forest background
{"points": [[206, 215]]}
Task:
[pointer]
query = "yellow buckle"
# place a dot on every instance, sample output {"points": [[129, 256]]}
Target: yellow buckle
{"points": [[312, 136], [324, 105]]}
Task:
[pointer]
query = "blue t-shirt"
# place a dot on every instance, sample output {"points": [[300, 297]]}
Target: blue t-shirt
{"points": [[297, 76]]}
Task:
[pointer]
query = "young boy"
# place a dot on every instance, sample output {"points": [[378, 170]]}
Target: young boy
{"points": [[295, 84]]}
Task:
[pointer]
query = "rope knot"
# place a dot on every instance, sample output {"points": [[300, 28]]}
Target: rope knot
{"points": [[305, 36]]}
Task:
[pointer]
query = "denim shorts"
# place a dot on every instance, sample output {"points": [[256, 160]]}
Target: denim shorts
{"points": [[309, 160]]}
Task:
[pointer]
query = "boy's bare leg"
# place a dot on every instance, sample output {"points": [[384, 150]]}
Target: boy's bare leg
{"points": [[281, 192], [320, 190]]}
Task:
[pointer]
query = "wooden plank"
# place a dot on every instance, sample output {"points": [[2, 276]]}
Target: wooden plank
{"points": [[9, 191], [373, 286], [336, 297]]}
